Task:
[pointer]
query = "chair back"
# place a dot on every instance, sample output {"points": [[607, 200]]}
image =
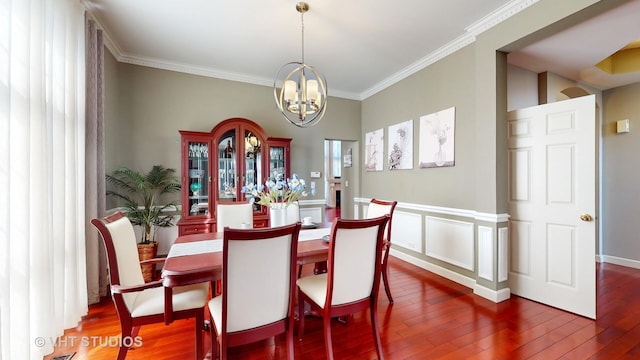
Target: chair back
{"points": [[233, 215], [378, 208], [259, 267], [355, 252], [122, 253]]}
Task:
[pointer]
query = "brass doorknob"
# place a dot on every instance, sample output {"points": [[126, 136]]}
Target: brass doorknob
{"points": [[586, 217]]}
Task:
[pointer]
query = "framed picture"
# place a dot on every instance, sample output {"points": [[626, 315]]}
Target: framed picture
{"points": [[437, 139], [401, 146], [347, 158], [374, 142]]}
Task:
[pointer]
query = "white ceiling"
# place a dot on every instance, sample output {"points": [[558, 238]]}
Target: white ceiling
{"points": [[574, 52], [361, 46]]}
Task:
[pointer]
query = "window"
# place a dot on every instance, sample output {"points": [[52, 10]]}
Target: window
{"points": [[336, 159]]}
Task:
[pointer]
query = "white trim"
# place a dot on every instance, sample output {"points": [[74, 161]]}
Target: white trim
{"points": [[485, 252], [465, 39], [493, 295], [503, 254], [472, 214], [451, 241], [499, 15], [312, 202], [446, 273], [620, 261]]}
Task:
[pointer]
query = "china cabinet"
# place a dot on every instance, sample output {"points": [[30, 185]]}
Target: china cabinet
{"points": [[216, 166]]}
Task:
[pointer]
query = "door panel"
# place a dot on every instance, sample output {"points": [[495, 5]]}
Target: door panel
{"points": [[552, 181]]}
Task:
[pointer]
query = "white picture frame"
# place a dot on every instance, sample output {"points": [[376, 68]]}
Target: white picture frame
{"points": [[400, 149], [437, 139], [374, 150]]}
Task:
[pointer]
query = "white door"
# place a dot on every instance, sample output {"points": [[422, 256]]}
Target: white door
{"points": [[552, 203]]}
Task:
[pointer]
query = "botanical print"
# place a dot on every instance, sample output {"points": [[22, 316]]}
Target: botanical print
{"points": [[437, 135], [374, 142], [401, 146]]}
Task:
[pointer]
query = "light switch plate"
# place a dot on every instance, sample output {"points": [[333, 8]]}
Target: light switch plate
{"points": [[315, 174], [622, 126]]}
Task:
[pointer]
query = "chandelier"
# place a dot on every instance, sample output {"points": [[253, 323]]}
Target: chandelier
{"points": [[302, 97]]}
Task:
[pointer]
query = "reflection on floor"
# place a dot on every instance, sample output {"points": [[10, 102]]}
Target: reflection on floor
{"points": [[331, 213]]}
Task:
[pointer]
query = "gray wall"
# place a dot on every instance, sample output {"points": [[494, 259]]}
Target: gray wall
{"points": [[445, 84], [621, 202], [146, 107]]}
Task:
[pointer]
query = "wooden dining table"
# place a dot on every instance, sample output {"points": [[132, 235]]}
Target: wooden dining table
{"points": [[197, 258]]}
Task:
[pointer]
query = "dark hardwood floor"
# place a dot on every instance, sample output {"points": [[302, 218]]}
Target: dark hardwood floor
{"points": [[432, 318]]}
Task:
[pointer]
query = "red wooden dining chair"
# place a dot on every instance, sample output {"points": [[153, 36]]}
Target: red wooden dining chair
{"points": [[378, 208], [139, 303], [352, 280], [258, 288]]}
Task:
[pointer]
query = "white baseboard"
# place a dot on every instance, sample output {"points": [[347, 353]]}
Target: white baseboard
{"points": [[446, 273], [620, 261], [492, 295]]}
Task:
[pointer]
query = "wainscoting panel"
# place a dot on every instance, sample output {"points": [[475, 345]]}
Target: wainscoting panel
{"points": [[314, 212], [450, 241], [406, 230], [503, 254], [485, 252]]}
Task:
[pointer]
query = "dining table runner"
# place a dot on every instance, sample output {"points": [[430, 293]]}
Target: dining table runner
{"points": [[215, 245]]}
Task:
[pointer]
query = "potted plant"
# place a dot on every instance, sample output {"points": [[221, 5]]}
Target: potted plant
{"points": [[141, 193], [277, 194]]}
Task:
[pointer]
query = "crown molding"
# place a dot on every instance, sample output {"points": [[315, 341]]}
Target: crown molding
{"points": [[469, 37], [473, 30], [211, 72]]}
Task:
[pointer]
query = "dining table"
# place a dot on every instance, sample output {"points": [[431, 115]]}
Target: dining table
{"points": [[197, 258]]}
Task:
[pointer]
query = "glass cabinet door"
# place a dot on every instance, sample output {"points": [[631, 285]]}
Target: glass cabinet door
{"points": [[198, 166], [277, 162], [252, 176], [227, 167]]}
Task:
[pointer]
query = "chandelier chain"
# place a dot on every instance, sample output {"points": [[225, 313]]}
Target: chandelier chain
{"points": [[302, 22]]}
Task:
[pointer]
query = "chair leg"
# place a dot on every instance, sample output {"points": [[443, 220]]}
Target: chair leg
{"points": [[199, 332], [299, 271], [128, 332], [300, 316], [213, 336], [385, 280], [376, 334], [328, 344], [290, 346]]}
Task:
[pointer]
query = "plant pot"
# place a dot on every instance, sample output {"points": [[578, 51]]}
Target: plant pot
{"points": [[148, 252]]}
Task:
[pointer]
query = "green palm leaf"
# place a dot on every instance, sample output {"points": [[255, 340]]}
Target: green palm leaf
{"points": [[140, 193]]}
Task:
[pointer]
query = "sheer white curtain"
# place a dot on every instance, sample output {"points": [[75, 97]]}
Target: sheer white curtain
{"points": [[42, 224]]}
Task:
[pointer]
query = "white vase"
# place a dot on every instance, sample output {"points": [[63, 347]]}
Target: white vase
{"points": [[278, 216]]}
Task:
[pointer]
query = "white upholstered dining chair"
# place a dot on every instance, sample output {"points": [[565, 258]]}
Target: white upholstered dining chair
{"points": [[352, 280], [139, 303], [378, 208], [258, 288], [233, 215]]}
